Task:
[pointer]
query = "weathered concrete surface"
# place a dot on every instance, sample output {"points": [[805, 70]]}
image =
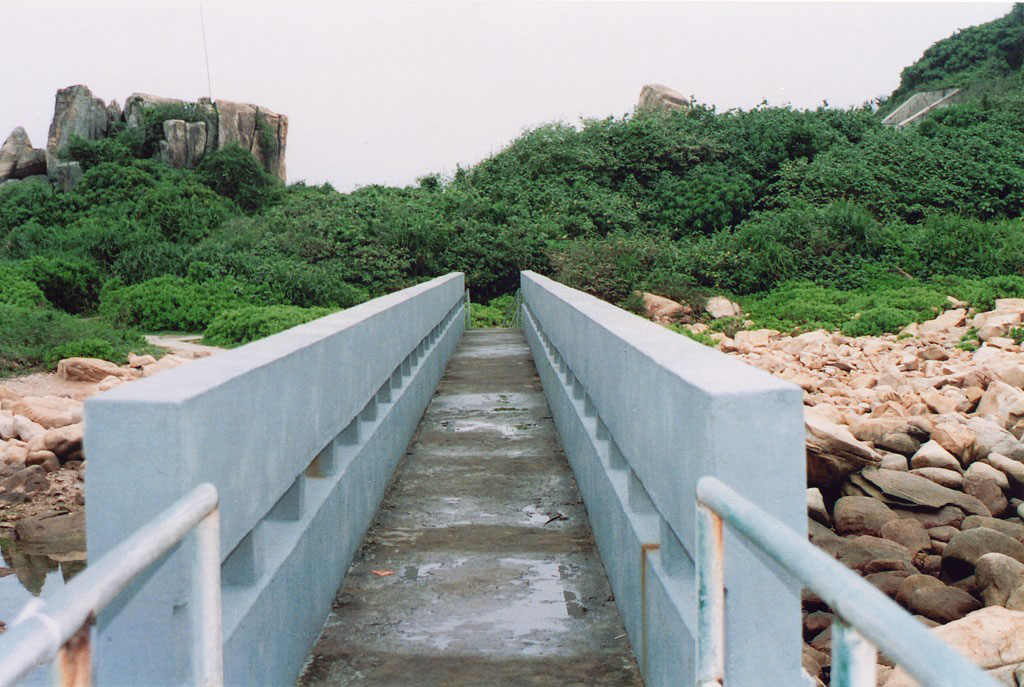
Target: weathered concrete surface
{"points": [[496, 577]]}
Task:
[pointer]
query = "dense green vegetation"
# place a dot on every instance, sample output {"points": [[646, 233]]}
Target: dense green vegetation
{"points": [[810, 218]]}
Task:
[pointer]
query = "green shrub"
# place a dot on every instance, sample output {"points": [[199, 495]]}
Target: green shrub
{"points": [[69, 283], [17, 291], [32, 338], [83, 348], [699, 337], [242, 325], [877, 321], [170, 303], [90, 153], [234, 173], [485, 316]]}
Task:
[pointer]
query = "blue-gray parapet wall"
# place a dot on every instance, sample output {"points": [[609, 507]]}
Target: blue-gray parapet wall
{"points": [[643, 413], [300, 433]]}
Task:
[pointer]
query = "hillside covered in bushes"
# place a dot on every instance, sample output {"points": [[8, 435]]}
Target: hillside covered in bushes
{"points": [[810, 218]]}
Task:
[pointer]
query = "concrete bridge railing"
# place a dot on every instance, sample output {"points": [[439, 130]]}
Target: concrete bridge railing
{"points": [[300, 433], [644, 414]]}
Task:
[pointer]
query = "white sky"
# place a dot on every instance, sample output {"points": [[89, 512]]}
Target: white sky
{"points": [[384, 92]]}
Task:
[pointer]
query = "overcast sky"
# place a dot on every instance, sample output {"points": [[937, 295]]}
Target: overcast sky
{"points": [[383, 92]]}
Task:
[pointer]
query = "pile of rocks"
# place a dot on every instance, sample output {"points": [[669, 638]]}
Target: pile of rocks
{"points": [[915, 469], [41, 436]]}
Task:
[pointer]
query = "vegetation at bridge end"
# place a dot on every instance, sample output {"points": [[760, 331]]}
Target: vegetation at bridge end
{"points": [[816, 218]]}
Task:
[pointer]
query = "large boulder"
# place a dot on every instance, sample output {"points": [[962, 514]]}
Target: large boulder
{"points": [[661, 309], [899, 435], [1002, 403], [654, 96], [260, 131], [49, 411], [906, 490], [720, 306], [91, 370], [992, 638], [997, 576], [18, 159], [76, 112]]}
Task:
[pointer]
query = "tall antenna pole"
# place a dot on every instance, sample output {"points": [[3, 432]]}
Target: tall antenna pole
{"points": [[206, 53]]}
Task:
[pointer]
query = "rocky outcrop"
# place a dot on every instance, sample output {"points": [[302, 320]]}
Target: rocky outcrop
{"points": [[260, 131], [76, 112], [656, 97], [18, 159], [184, 143]]}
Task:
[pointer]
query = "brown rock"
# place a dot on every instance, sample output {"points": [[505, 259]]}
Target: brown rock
{"points": [[65, 442], [46, 459], [992, 638], [932, 455], [66, 529], [899, 435], [909, 533], [967, 546], [888, 581], [1010, 529], [944, 322], [868, 554], [50, 411], [817, 622], [861, 515], [833, 453], [659, 98], [942, 604], [253, 127], [986, 490], [944, 533], [997, 576], [905, 489], [90, 370], [912, 583], [942, 477], [1003, 403]]}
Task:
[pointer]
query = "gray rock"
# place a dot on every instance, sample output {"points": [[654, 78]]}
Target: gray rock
{"points": [[966, 547], [942, 604], [656, 97], [260, 131], [986, 489], [903, 489], [1010, 529], [76, 112], [816, 506], [989, 437], [18, 159], [184, 143], [997, 576], [912, 583], [138, 102], [941, 476], [888, 581], [899, 435], [65, 175], [867, 554], [64, 529]]}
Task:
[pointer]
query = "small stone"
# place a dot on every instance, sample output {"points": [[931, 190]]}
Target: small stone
{"points": [[817, 622], [932, 455], [894, 461]]}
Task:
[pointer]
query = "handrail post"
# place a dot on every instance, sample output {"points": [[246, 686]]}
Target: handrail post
{"points": [[207, 651], [854, 658], [710, 599]]}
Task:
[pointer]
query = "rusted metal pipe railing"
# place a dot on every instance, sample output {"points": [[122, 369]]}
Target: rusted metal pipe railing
{"points": [[60, 627], [865, 617]]}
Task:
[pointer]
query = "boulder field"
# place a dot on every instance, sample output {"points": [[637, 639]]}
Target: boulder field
{"points": [[915, 471]]}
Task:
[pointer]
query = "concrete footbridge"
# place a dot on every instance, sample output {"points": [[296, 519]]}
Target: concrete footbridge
{"points": [[379, 497]]}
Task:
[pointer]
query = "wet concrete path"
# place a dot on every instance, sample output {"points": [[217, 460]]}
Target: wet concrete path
{"points": [[480, 568]]}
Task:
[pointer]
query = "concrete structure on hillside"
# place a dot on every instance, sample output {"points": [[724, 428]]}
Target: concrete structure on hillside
{"points": [[918, 106]]}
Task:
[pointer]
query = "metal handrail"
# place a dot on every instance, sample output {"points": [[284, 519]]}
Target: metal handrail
{"points": [[513, 314], [59, 627], [860, 608]]}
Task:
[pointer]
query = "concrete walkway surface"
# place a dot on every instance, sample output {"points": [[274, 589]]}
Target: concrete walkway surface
{"points": [[480, 568]]}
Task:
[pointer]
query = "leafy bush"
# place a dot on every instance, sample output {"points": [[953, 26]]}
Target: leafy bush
{"points": [[234, 173], [242, 325], [32, 338], [17, 291], [82, 348], [69, 283], [170, 303], [699, 337]]}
